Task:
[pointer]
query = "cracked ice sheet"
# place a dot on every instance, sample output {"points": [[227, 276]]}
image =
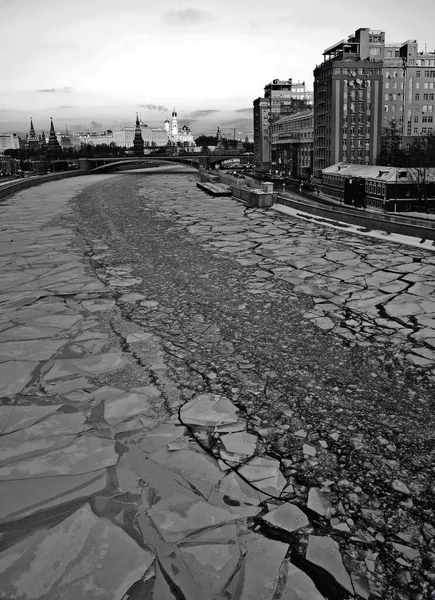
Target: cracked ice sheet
{"points": [[53, 432], [23, 497], [298, 586], [211, 565], [13, 418], [178, 516], [264, 474], [84, 455], [325, 552], [15, 375], [128, 405], [91, 365], [259, 574], [209, 410], [94, 560]]}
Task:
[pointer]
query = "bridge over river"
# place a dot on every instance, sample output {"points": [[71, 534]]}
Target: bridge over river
{"points": [[207, 161]]}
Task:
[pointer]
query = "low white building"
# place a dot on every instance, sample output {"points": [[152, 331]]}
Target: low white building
{"points": [[9, 141]]}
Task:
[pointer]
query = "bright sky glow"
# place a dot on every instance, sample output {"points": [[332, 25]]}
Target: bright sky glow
{"points": [[101, 60]]}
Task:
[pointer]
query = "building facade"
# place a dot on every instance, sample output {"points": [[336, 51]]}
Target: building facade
{"points": [[9, 141], [409, 89], [292, 145], [348, 88], [281, 97], [386, 188]]}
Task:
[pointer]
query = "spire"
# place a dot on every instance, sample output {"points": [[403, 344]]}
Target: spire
{"points": [[53, 143], [32, 134], [138, 139]]}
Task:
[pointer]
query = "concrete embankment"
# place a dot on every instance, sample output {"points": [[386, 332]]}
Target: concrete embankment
{"points": [[386, 222], [391, 223]]}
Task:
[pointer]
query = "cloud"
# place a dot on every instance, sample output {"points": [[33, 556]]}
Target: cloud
{"points": [[96, 125], [65, 106], [244, 110], [154, 107], [203, 113], [63, 90], [188, 16]]}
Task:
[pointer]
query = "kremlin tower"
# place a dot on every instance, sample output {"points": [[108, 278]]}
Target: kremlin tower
{"points": [[53, 143], [138, 143], [32, 140]]}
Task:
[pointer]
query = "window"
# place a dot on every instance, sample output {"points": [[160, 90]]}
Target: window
{"points": [[387, 85], [386, 108], [417, 85], [416, 119], [415, 129], [417, 74], [427, 73], [430, 119], [417, 97], [387, 96], [423, 130]]}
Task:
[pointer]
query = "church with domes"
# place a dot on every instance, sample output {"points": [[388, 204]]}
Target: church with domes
{"points": [[178, 137]]}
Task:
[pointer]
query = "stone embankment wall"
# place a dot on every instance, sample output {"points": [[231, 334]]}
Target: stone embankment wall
{"points": [[8, 189], [386, 222]]}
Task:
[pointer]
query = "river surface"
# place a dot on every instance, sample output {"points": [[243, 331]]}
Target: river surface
{"points": [[323, 339]]}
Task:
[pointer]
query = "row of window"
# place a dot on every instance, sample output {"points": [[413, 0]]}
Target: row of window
{"points": [[359, 144], [426, 73], [374, 187], [424, 108], [428, 62], [356, 71], [425, 96]]}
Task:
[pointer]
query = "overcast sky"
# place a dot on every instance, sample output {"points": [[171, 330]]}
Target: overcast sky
{"points": [[102, 59]]}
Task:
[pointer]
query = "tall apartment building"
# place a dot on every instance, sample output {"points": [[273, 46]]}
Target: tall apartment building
{"points": [[261, 132], [348, 96], [409, 89], [281, 97]]}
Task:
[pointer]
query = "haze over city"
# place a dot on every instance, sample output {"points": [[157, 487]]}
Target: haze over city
{"points": [[92, 65]]}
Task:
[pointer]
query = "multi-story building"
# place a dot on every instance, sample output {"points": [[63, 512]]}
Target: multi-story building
{"points": [[409, 89], [261, 132], [292, 144], [348, 101], [151, 136], [281, 97], [9, 141]]}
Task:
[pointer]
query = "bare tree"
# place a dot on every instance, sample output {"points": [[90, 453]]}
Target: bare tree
{"points": [[391, 146], [420, 163]]}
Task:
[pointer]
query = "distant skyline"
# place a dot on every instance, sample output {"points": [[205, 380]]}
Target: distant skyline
{"points": [[101, 61]]}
